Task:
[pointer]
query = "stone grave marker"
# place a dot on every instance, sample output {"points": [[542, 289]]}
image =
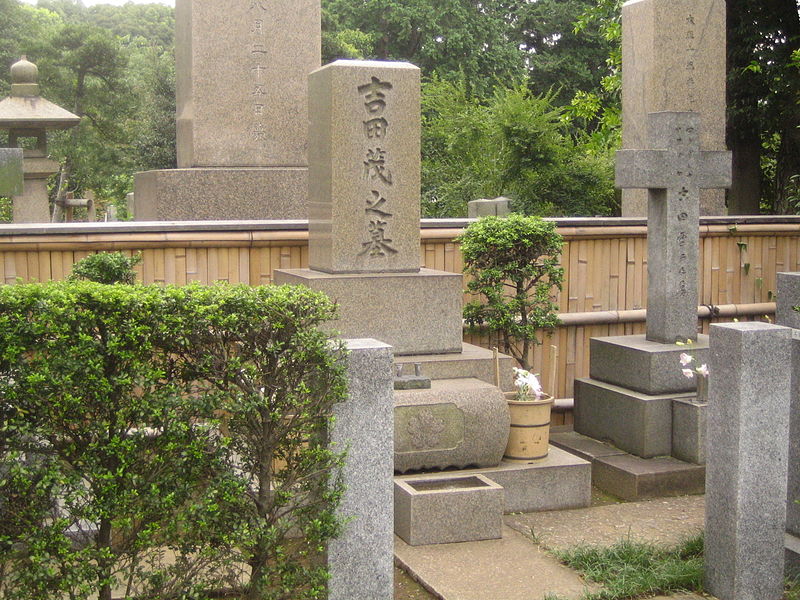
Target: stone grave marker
{"points": [[746, 470], [674, 170], [242, 112], [673, 59], [10, 171], [364, 227]]}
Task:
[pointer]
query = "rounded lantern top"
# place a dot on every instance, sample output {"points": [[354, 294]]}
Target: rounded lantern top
{"points": [[24, 71]]}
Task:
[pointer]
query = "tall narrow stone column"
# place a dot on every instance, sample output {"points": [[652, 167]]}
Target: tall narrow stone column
{"points": [[360, 560], [748, 434]]}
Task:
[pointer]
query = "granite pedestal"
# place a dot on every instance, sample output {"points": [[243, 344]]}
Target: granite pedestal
{"points": [[417, 313], [456, 423], [213, 194]]}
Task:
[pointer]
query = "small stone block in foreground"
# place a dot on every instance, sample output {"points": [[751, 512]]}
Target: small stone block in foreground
{"points": [[454, 509], [634, 478]]}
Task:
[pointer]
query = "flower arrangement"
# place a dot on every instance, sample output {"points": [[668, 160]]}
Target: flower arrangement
{"points": [[689, 369], [528, 386]]}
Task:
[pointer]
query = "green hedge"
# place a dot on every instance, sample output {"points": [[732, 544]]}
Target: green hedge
{"points": [[136, 420]]}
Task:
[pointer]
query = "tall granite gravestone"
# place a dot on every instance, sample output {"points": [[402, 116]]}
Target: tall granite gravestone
{"points": [[748, 429], [360, 560], [673, 59], [788, 298], [242, 115], [364, 244], [634, 379]]}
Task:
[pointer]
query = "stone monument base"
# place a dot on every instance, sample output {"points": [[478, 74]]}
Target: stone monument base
{"points": [[415, 313], [456, 423], [219, 194], [634, 422], [633, 362]]}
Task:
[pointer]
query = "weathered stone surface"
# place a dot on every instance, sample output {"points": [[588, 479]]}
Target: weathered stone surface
{"points": [[452, 509], [637, 423], [457, 423], [10, 171], [221, 194], [634, 362], [364, 167], [417, 313], [360, 559], [689, 431], [749, 391], [242, 81], [673, 169], [673, 56]]}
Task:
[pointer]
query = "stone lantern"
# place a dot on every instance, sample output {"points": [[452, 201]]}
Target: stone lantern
{"points": [[25, 115]]}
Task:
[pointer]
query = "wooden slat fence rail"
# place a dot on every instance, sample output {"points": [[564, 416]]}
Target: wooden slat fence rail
{"points": [[605, 263]]}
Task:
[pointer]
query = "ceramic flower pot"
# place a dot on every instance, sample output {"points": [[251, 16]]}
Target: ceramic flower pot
{"points": [[529, 435]]}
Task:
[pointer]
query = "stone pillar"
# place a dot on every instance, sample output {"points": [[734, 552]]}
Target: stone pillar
{"points": [[673, 59], [788, 298], [361, 559], [748, 433]]}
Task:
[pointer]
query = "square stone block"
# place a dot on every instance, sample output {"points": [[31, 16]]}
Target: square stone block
{"points": [[637, 423], [415, 313], [632, 361], [447, 509], [689, 431], [221, 194]]}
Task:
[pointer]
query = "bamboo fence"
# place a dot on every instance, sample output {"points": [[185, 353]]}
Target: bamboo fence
{"points": [[605, 264]]}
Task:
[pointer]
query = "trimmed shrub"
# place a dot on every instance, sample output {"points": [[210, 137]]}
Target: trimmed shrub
{"points": [[110, 453]]}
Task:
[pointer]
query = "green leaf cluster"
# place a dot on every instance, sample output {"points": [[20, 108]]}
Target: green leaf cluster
{"points": [[514, 144], [107, 267], [513, 265], [165, 442]]}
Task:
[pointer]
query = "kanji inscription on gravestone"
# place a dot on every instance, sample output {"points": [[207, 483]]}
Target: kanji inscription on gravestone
{"points": [[10, 171], [673, 170]]}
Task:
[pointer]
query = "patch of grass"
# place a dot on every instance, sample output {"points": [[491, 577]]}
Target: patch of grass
{"points": [[792, 589], [633, 569]]}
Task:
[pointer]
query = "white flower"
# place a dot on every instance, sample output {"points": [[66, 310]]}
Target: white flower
{"points": [[703, 370], [685, 359], [527, 383], [688, 373]]}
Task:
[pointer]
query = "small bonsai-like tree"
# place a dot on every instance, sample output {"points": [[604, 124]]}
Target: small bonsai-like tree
{"points": [[513, 266]]}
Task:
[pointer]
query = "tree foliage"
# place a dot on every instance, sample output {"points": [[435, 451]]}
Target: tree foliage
{"points": [[512, 265]]}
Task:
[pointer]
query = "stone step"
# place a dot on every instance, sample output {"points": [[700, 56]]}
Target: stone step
{"points": [[559, 481], [472, 361], [631, 477]]}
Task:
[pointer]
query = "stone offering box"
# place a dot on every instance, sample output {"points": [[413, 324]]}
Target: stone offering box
{"points": [[450, 509]]}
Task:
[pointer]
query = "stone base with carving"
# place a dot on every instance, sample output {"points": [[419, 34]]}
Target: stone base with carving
{"points": [[220, 194], [457, 423]]}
